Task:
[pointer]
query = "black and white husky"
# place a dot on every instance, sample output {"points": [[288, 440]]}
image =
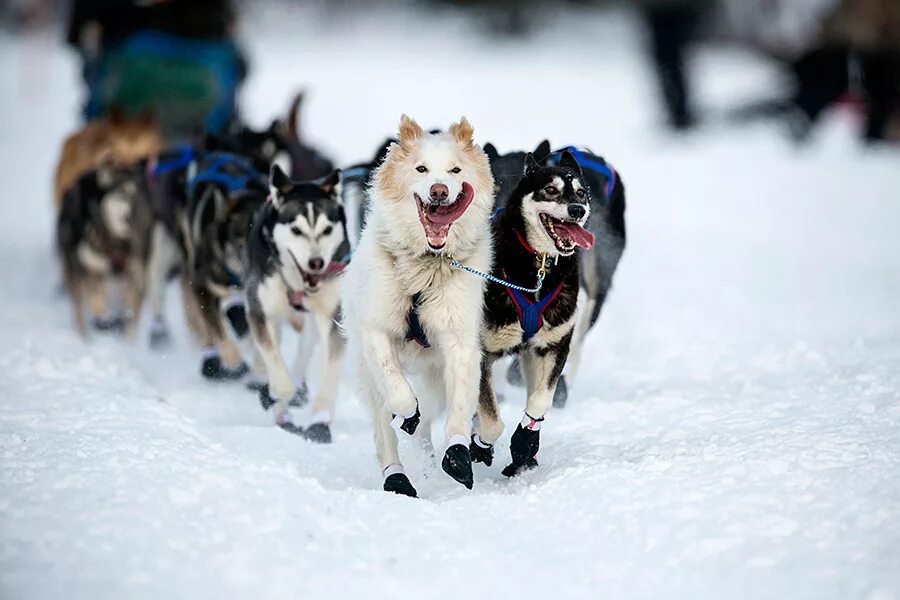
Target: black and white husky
{"points": [[296, 250], [408, 312], [607, 224], [537, 235]]}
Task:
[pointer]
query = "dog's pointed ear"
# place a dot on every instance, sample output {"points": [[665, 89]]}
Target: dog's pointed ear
{"points": [[279, 184], [278, 127], [542, 151], [462, 132], [409, 131], [331, 184], [567, 161], [491, 151], [531, 165]]}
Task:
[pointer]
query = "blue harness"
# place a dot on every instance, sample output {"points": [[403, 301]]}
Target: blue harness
{"points": [[590, 163], [228, 170], [531, 314], [178, 157], [414, 330]]}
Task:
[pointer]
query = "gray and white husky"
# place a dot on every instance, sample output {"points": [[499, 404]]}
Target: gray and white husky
{"points": [[297, 248]]}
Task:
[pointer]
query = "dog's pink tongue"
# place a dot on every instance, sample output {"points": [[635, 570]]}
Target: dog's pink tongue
{"points": [[445, 215], [581, 236]]}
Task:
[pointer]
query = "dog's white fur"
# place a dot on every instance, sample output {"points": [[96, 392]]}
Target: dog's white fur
{"points": [[393, 261]]}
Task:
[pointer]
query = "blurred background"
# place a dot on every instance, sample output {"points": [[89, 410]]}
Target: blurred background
{"points": [[818, 56]]}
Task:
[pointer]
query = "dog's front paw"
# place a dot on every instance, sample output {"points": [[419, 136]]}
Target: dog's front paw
{"points": [[514, 373], [481, 452], [319, 433], [526, 441], [214, 370], [457, 464], [561, 394], [237, 317], [398, 483], [407, 424]]}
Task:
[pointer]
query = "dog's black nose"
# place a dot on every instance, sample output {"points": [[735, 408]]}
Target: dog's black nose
{"points": [[576, 211], [316, 264], [439, 192]]}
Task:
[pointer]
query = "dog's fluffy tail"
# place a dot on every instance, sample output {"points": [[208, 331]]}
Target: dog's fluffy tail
{"points": [[293, 120]]}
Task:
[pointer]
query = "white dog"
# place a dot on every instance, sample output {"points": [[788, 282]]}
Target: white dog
{"points": [[407, 310]]}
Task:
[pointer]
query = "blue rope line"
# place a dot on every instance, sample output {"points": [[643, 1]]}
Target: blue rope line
{"points": [[540, 278]]}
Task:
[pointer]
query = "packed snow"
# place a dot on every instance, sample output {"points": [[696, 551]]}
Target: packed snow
{"points": [[735, 432]]}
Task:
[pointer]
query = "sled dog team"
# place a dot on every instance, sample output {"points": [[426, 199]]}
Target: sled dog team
{"points": [[465, 255]]}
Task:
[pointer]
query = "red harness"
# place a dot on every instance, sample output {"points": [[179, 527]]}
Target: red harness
{"points": [[295, 297]]}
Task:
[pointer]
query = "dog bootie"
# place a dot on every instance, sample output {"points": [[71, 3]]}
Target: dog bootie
{"points": [[514, 373], [396, 482], [300, 397], [481, 452], [407, 424], [561, 394], [319, 430], [237, 317], [213, 369], [285, 422], [114, 324], [524, 445], [255, 384], [266, 400], [457, 463]]}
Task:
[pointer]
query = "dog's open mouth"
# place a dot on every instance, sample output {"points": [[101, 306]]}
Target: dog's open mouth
{"points": [[566, 234], [310, 280], [437, 219]]}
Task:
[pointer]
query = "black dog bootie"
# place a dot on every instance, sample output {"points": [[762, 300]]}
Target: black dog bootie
{"points": [[457, 464], [524, 446]]}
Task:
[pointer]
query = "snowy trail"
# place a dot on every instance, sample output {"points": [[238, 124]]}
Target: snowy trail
{"points": [[737, 433]]}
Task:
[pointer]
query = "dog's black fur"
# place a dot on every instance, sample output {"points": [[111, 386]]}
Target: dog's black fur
{"points": [[515, 263], [507, 168], [219, 223]]}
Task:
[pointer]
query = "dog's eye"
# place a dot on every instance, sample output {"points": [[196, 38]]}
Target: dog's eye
{"points": [[551, 190], [327, 230], [422, 169], [296, 230], [580, 193], [455, 170]]}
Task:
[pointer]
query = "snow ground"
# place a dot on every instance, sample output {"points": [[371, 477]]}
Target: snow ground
{"points": [[736, 435]]}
